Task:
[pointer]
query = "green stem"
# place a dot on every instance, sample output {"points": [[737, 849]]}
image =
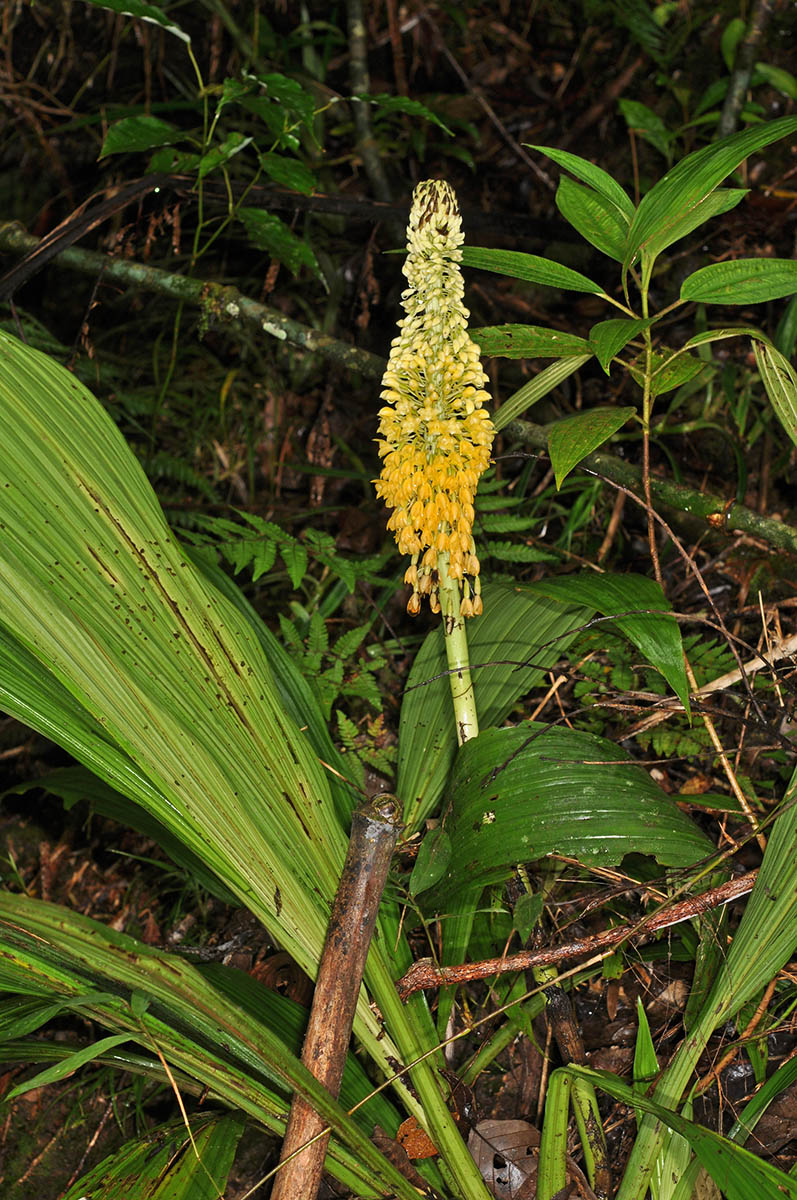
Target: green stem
{"points": [[456, 641]]}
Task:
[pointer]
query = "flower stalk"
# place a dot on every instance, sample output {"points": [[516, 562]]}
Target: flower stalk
{"points": [[435, 435], [455, 636]]}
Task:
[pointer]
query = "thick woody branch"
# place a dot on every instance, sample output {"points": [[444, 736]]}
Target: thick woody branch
{"points": [[375, 829]]}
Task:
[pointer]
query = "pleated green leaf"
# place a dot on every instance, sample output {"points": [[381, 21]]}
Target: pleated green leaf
{"points": [[167, 1163], [238, 1054], [780, 380], [520, 635], [639, 608], [738, 1174], [519, 794], [98, 592], [130, 654]]}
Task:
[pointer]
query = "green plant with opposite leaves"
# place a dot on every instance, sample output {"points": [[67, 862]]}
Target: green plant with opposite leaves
{"points": [[191, 722]]}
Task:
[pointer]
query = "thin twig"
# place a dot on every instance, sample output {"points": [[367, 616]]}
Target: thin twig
{"points": [[730, 774], [745, 1035], [361, 85], [743, 68], [514, 145], [425, 974], [375, 829]]}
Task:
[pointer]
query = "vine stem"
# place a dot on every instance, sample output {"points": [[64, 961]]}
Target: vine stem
{"points": [[455, 636]]}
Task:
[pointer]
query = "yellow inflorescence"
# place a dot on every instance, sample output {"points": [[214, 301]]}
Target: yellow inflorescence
{"points": [[435, 436]]}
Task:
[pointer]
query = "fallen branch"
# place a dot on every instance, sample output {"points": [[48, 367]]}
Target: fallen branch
{"points": [[721, 515], [424, 974], [230, 308], [224, 305]]}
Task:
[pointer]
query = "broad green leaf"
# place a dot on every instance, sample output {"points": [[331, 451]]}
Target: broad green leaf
{"points": [[573, 438], [529, 267], [267, 232], [433, 858], [593, 216], [536, 388], [778, 78], [608, 338], [167, 1164], [139, 133], [527, 341], [738, 1174], [170, 696], [385, 102], [762, 944], [639, 608], [667, 207], [518, 794], [669, 371], [218, 155], [596, 177], [744, 281], [67, 1066], [520, 635], [720, 201], [780, 380], [643, 120], [144, 12], [97, 591], [288, 171]]}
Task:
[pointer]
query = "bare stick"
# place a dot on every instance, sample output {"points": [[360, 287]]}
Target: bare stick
{"points": [[424, 974], [375, 829]]}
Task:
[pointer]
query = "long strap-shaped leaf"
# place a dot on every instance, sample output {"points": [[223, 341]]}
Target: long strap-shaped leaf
{"points": [[167, 1004], [95, 588]]}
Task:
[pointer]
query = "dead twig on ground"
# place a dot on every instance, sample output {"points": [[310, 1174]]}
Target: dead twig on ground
{"points": [[424, 974]]}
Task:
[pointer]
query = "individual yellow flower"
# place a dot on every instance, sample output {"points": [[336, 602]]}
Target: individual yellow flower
{"points": [[434, 433]]}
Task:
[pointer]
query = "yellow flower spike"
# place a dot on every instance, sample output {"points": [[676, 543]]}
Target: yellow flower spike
{"points": [[434, 435]]}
